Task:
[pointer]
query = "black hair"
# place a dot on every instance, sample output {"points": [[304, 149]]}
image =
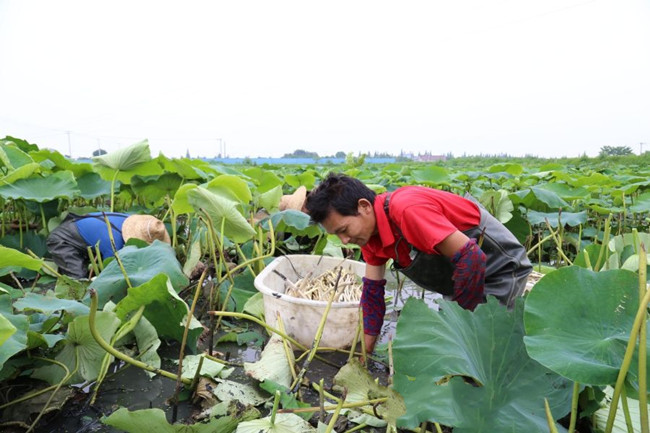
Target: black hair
{"points": [[337, 192]]}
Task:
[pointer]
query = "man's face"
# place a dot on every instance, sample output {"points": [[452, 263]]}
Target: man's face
{"points": [[354, 229]]}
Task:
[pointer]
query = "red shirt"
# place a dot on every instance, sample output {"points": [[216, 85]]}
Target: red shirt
{"points": [[425, 216]]}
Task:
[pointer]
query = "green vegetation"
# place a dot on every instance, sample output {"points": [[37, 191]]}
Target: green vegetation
{"points": [[579, 335]]}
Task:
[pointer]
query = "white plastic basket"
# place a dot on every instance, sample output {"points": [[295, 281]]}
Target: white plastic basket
{"points": [[301, 317]]}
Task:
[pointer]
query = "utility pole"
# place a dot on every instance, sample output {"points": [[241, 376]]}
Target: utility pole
{"points": [[69, 145]]}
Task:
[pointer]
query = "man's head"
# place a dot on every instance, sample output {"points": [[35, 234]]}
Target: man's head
{"points": [[145, 227], [344, 206]]}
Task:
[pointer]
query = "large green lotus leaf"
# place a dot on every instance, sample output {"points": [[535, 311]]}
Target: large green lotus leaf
{"points": [[188, 169], [153, 188], [141, 265], [600, 417], [90, 353], [306, 179], [485, 346], [566, 192], [510, 168], [181, 205], [21, 144], [539, 199], [273, 364], [431, 175], [641, 204], [50, 304], [578, 322], [7, 329], [594, 179], [155, 420], [572, 219], [14, 258], [295, 222], [126, 158], [148, 168], [271, 198], [148, 343], [61, 162], [12, 156], [236, 227], [264, 179], [42, 188], [17, 341], [519, 227], [498, 204], [231, 187], [92, 186], [361, 386], [166, 311], [21, 172]]}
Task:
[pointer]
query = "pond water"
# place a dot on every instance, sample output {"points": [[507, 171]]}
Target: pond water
{"points": [[130, 387]]}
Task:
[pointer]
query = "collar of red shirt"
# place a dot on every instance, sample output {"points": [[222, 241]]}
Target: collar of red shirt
{"points": [[384, 228]]}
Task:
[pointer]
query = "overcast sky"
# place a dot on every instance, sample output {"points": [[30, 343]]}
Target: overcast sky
{"points": [[538, 77]]}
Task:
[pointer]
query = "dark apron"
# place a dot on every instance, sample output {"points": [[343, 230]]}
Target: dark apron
{"points": [[507, 266]]}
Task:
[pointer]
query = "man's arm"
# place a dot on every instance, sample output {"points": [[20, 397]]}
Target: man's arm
{"points": [[373, 304], [469, 272]]}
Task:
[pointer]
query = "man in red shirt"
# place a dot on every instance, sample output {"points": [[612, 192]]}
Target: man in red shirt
{"points": [[441, 241]]}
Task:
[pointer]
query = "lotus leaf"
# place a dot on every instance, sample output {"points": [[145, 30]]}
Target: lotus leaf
{"points": [[498, 204], [141, 265], [188, 169], [127, 158], [361, 386], [572, 219], [92, 186], [306, 179], [42, 188], [431, 176], [17, 341], [50, 304], [273, 364], [21, 172], [228, 390], [181, 204], [271, 198], [209, 367], [566, 192], [619, 426], [264, 179], [90, 353], [284, 423], [7, 329], [154, 188], [519, 227], [155, 420], [21, 144], [595, 179], [540, 199], [12, 156], [166, 311], [10, 257], [295, 222], [236, 227], [510, 168], [578, 322], [60, 162], [439, 355], [148, 343], [231, 187]]}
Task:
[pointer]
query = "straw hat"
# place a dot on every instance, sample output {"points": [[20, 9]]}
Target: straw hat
{"points": [[293, 201], [145, 227]]}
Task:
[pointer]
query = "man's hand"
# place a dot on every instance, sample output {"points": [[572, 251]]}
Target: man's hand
{"points": [[370, 341]]}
